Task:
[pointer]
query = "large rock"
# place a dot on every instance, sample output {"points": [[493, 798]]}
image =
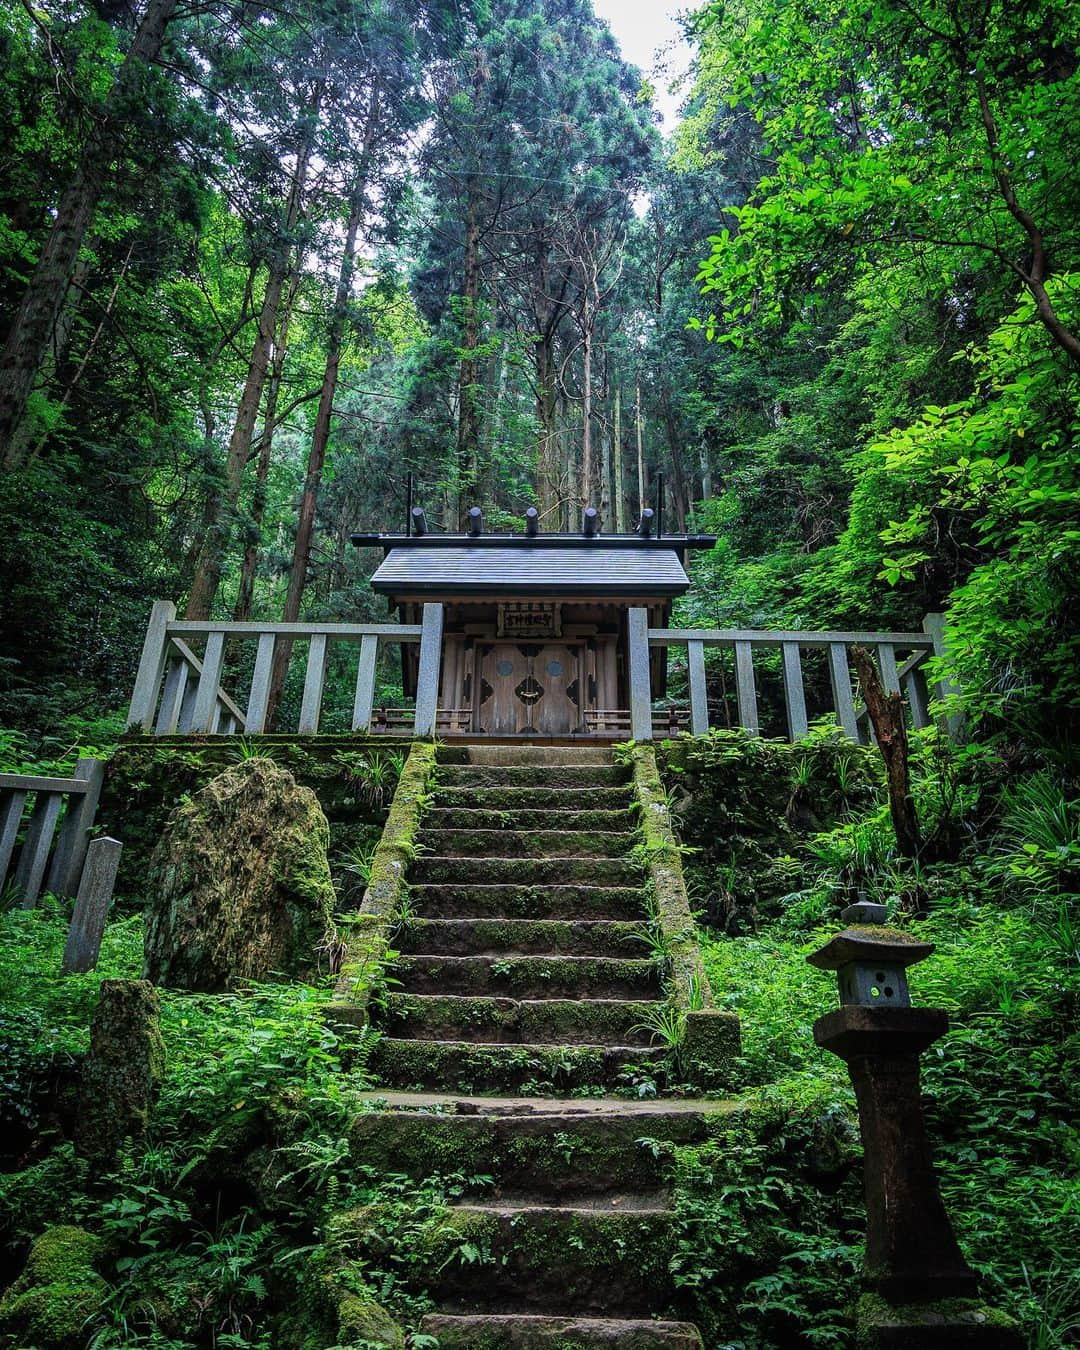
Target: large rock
{"points": [[123, 1070], [55, 1299], [241, 884]]}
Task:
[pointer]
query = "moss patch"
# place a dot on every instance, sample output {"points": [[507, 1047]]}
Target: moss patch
{"points": [[58, 1292], [122, 1073], [240, 884], [367, 939], [148, 777]]}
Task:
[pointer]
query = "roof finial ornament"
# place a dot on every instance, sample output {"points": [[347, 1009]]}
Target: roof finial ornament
{"points": [[476, 521], [532, 522], [645, 524], [590, 522]]}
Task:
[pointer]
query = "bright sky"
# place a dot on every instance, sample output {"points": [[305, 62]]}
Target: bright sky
{"points": [[650, 38]]}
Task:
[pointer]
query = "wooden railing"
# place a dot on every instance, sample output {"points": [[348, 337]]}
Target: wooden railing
{"points": [[179, 692], [900, 658], [50, 858]]}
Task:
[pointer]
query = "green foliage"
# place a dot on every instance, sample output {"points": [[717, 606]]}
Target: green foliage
{"points": [[999, 905]]}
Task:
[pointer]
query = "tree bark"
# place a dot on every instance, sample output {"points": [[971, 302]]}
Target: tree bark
{"points": [[1035, 275], [640, 451], [32, 328], [680, 496], [320, 438], [64, 325], [245, 594], [468, 438], [620, 498], [204, 586], [586, 416], [547, 473], [886, 713]]}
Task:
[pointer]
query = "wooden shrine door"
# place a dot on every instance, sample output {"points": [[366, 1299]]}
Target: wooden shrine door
{"points": [[529, 689]]}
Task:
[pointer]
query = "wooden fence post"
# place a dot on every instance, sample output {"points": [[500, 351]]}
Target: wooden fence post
{"points": [[11, 812], [794, 693], [840, 677], [365, 683], [259, 696], [74, 838], [934, 625], [91, 906], [314, 679], [699, 699], [207, 704], [427, 679], [35, 850], [151, 666], [640, 684], [172, 696], [745, 689]]}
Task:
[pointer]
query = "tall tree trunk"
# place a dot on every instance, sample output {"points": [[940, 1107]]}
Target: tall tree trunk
{"points": [[586, 420], [468, 437], [620, 499], [63, 336], [245, 594], [547, 472], [545, 313], [640, 451], [320, 439], [680, 497], [207, 577], [706, 472], [32, 328]]}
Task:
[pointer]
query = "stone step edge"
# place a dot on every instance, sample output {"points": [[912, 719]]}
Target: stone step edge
{"points": [[467, 1106], [513, 1049], [642, 965], [531, 1002], [622, 862], [517, 1331], [512, 1211]]}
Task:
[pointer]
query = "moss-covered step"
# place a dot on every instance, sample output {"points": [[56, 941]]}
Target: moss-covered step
{"points": [[508, 1020], [527, 843], [571, 1150], [551, 937], [522, 1257], [504, 900], [538, 1070], [533, 798], [529, 976], [534, 1331], [528, 817], [527, 775], [435, 868], [515, 751]]}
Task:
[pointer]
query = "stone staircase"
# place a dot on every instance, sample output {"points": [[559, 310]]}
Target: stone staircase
{"points": [[523, 981]]}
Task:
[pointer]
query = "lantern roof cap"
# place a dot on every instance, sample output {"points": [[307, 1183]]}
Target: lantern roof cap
{"points": [[868, 944]]}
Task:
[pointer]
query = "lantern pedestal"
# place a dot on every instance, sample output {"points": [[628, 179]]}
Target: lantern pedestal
{"points": [[923, 1291], [911, 1251]]}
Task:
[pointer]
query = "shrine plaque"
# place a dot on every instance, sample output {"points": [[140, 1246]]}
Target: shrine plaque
{"points": [[525, 619]]}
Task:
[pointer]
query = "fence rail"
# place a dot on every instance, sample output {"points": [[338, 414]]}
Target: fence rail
{"points": [[900, 658], [57, 833], [177, 691]]}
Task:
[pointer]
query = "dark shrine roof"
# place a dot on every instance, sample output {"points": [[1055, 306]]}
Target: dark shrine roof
{"points": [[553, 565]]}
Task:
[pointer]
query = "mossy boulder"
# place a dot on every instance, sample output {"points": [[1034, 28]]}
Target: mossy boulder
{"points": [[58, 1293], [122, 1073], [367, 1324], [241, 884]]}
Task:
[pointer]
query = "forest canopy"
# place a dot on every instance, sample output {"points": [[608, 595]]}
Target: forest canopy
{"points": [[258, 265]]}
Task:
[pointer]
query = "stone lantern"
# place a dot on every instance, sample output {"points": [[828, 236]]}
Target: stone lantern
{"points": [[922, 1294]]}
